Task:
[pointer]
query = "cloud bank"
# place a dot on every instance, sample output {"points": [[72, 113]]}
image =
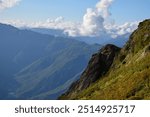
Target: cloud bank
{"points": [[8, 3], [94, 24], [118, 30], [93, 20]]}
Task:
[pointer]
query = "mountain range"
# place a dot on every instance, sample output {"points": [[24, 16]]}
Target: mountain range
{"points": [[102, 40], [39, 66]]}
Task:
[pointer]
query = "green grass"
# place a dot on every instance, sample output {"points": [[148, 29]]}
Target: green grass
{"points": [[129, 75], [130, 81]]}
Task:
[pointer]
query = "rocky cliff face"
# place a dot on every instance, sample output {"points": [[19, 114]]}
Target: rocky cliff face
{"points": [[117, 74], [97, 67]]}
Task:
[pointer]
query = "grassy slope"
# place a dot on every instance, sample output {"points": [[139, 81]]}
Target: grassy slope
{"points": [[129, 76]]}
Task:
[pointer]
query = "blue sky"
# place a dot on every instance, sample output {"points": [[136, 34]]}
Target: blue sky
{"points": [[73, 10], [43, 9], [130, 10]]}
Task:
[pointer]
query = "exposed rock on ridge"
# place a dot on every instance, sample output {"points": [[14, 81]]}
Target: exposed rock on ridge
{"points": [[98, 66]]}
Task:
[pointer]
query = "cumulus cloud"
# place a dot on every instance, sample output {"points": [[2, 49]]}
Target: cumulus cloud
{"points": [[92, 23], [93, 20], [103, 7], [95, 23], [8, 3]]}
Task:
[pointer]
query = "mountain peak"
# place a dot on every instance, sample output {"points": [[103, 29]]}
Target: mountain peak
{"points": [[117, 74], [139, 38]]}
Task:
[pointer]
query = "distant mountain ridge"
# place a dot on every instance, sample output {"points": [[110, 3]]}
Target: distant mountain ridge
{"points": [[37, 66], [128, 77], [54, 32], [102, 40]]}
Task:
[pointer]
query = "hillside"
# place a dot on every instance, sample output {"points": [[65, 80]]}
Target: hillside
{"points": [[128, 77], [38, 66]]}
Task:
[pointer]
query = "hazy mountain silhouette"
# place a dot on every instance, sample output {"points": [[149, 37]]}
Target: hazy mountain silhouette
{"points": [[39, 66]]}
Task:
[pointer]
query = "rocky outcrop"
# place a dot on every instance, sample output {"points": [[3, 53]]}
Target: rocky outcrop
{"points": [[97, 67]]}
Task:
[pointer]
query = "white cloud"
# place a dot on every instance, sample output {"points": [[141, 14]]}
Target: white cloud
{"points": [[58, 23], [92, 24], [57, 20], [8, 3], [117, 30], [95, 23], [93, 20], [103, 7]]}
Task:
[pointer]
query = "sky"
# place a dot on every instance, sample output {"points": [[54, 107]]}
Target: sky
{"points": [[77, 17]]}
